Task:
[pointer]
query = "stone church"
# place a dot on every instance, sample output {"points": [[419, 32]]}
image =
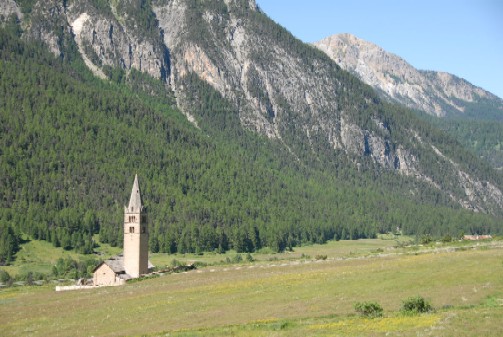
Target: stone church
{"points": [[133, 262]]}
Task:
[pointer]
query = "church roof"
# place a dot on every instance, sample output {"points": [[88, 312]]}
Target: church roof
{"points": [[116, 263], [135, 204]]}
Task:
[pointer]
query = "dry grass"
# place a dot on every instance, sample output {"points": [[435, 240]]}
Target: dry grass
{"points": [[285, 298], [333, 249]]}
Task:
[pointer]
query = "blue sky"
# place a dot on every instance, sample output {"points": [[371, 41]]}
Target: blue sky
{"points": [[462, 37]]}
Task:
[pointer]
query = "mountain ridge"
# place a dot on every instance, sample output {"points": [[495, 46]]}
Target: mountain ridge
{"points": [[469, 113], [437, 93], [299, 86]]}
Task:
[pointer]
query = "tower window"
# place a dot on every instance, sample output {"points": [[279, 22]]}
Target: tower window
{"points": [[131, 229]]}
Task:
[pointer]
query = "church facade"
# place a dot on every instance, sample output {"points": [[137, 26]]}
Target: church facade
{"points": [[133, 262]]}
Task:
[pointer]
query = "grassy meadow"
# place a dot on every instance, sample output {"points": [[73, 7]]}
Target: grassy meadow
{"points": [[39, 256], [289, 294]]}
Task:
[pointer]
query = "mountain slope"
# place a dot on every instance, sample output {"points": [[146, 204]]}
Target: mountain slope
{"points": [[70, 144], [473, 115], [284, 147], [290, 92], [437, 93], [275, 85]]}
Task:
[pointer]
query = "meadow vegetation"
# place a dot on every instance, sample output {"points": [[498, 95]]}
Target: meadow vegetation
{"points": [[287, 294]]}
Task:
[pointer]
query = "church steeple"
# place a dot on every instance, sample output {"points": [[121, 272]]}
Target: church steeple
{"points": [[135, 234], [135, 204]]}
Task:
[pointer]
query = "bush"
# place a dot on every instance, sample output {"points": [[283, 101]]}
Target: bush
{"points": [[73, 269], [369, 309], [446, 239], [416, 305], [426, 239], [176, 263], [4, 277], [320, 257], [200, 264]]}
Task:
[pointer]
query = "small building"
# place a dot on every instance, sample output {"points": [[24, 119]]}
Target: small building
{"points": [[111, 272], [477, 237], [133, 263]]}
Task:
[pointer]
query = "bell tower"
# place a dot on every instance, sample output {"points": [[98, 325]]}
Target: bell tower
{"points": [[135, 234]]}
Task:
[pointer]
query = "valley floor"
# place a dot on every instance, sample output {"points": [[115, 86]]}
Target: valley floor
{"points": [[281, 297]]}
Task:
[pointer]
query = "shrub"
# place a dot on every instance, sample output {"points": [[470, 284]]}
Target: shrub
{"points": [[5, 278], [237, 258], [70, 268], [265, 250], [249, 258], [176, 263], [200, 264], [416, 305], [320, 257], [426, 239], [369, 309], [446, 239]]}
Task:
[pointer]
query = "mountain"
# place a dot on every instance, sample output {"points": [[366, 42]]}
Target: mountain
{"points": [[470, 114], [437, 93], [246, 136]]}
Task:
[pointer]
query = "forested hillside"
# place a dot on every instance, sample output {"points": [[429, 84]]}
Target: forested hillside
{"points": [[70, 145], [483, 136]]}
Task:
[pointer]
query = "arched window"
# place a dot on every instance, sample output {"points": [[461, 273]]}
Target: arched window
{"points": [[131, 229]]}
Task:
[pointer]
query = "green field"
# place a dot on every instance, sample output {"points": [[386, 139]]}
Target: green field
{"points": [[39, 256], [286, 294]]}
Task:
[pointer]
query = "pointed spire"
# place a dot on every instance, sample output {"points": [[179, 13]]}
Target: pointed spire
{"points": [[135, 204]]}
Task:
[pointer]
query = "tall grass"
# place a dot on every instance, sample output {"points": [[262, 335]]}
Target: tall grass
{"points": [[277, 298]]}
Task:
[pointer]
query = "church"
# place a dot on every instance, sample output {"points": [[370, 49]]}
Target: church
{"points": [[133, 262]]}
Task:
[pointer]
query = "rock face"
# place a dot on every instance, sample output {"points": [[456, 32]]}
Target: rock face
{"points": [[104, 37], [436, 93], [286, 90], [9, 8], [290, 92]]}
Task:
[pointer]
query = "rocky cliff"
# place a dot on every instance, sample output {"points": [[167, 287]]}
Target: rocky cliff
{"points": [[279, 87], [290, 92], [9, 8], [437, 93], [109, 36]]}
